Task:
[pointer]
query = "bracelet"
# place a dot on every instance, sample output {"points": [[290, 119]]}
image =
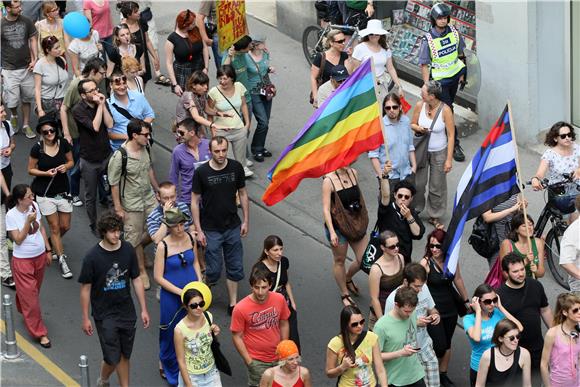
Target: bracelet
{"points": [[411, 221]]}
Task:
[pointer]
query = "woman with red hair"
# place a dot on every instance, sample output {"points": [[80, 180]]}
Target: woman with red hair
{"points": [[443, 288], [185, 51]]}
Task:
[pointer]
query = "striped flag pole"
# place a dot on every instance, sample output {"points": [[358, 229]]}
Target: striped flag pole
{"points": [[520, 183]]}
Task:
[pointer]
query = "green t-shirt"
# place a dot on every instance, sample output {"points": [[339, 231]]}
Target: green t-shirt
{"points": [[394, 334]]}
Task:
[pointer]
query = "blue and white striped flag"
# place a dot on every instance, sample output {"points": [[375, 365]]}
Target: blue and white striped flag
{"points": [[490, 179]]}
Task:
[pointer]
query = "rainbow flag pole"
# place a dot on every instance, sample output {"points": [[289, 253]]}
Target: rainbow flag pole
{"points": [[347, 124]]}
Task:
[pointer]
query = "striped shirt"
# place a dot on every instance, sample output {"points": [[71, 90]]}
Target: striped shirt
{"points": [[155, 217]]}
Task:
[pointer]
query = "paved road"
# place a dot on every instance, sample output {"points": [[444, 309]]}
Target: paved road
{"points": [[297, 220]]}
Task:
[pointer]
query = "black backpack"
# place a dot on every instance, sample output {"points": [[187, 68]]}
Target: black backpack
{"points": [[483, 238]]}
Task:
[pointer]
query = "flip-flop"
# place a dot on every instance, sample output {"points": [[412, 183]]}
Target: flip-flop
{"points": [[163, 80], [348, 299], [351, 286], [47, 344], [436, 223]]}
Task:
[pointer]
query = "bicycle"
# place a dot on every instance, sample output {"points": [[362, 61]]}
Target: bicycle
{"points": [[313, 36], [560, 202]]}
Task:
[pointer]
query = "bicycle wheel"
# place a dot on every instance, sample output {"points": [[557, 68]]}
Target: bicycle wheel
{"points": [[553, 248], [311, 42]]}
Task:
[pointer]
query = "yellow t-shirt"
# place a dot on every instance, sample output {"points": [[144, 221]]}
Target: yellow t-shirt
{"points": [[197, 347], [362, 375], [222, 105]]}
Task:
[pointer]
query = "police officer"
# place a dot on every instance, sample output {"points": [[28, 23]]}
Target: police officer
{"points": [[441, 58]]}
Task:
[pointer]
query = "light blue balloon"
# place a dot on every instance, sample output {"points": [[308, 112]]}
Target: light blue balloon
{"points": [[76, 25]]}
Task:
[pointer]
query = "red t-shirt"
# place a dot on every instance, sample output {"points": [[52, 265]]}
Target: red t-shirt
{"points": [[260, 324]]}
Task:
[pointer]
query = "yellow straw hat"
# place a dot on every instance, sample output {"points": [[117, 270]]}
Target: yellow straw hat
{"points": [[200, 287]]}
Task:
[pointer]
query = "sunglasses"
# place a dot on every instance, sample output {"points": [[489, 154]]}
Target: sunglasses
{"points": [[357, 323], [434, 246], [195, 305], [394, 107], [569, 135], [575, 310], [46, 132], [145, 134], [119, 81], [512, 338], [183, 262], [393, 247], [490, 301], [402, 196], [341, 41]]}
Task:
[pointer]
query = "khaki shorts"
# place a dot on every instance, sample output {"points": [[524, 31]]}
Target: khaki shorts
{"points": [[256, 369], [135, 225], [49, 206], [18, 87]]}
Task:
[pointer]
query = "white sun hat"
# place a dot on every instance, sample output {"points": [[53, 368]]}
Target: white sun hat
{"points": [[375, 27]]}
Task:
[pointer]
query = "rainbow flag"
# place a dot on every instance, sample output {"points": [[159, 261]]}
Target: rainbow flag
{"points": [[347, 124]]}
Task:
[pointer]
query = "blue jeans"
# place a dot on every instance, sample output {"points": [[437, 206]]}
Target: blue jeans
{"points": [[217, 55], [224, 246], [261, 108], [74, 174]]}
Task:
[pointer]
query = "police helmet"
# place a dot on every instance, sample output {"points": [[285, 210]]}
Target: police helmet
{"points": [[440, 10]]}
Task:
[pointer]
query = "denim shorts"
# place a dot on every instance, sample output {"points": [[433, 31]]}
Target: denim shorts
{"points": [[341, 238], [210, 379]]}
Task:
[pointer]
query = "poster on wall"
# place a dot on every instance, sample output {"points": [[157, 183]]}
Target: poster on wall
{"points": [[231, 22]]}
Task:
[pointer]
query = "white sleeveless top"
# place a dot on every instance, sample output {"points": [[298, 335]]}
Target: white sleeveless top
{"points": [[438, 140]]}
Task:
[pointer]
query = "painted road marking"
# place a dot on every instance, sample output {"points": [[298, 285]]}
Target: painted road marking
{"points": [[42, 360]]}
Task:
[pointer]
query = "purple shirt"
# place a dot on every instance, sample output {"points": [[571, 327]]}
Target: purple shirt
{"points": [[183, 165]]}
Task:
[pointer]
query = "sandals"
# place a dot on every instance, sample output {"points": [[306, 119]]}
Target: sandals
{"points": [[436, 223], [162, 374], [348, 299], [46, 344], [350, 285], [163, 80]]}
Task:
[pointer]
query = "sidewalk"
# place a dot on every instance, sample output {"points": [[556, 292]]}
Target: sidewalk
{"points": [[31, 368]]}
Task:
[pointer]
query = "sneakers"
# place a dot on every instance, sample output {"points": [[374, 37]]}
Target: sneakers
{"points": [[102, 383], [248, 172], [249, 163], [64, 270], [14, 124], [458, 154], [9, 282], [29, 132], [54, 256], [76, 201]]}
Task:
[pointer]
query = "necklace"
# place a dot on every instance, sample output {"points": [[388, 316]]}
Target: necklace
{"points": [[506, 357], [431, 109]]}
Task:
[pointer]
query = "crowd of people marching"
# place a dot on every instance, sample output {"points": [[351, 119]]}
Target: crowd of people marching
{"points": [[95, 127]]}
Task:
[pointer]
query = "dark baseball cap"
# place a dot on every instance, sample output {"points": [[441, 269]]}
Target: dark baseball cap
{"points": [[339, 73]]}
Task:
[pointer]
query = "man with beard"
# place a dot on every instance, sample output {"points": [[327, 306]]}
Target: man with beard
{"points": [[259, 323], [526, 300]]}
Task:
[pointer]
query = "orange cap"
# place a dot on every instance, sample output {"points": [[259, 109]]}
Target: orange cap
{"points": [[286, 348]]}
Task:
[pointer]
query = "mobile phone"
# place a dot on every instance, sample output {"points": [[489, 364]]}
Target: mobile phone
{"points": [[416, 349]]}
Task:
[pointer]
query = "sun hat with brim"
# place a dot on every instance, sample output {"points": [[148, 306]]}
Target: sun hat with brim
{"points": [[374, 27], [200, 287], [174, 216]]}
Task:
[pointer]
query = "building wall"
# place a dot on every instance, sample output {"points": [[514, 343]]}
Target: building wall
{"points": [[520, 46]]}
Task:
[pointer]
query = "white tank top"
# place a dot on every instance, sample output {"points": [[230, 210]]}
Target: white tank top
{"points": [[438, 140]]}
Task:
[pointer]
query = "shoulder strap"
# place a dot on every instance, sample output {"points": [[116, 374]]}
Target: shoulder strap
{"points": [[257, 67], [191, 240], [277, 277], [124, 158], [6, 127], [209, 322], [124, 112], [338, 177], [233, 107], [441, 103], [380, 268], [165, 245], [359, 340], [322, 63]]}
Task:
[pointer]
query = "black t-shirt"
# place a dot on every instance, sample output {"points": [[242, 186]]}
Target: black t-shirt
{"points": [[327, 65], [284, 265], [110, 274], [46, 163], [94, 146], [525, 304], [389, 218], [185, 51], [218, 195]]}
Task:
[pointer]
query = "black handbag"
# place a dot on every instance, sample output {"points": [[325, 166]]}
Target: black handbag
{"points": [[483, 238], [222, 364], [373, 250]]}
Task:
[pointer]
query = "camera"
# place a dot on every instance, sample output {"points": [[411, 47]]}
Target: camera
{"points": [[354, 206]]}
